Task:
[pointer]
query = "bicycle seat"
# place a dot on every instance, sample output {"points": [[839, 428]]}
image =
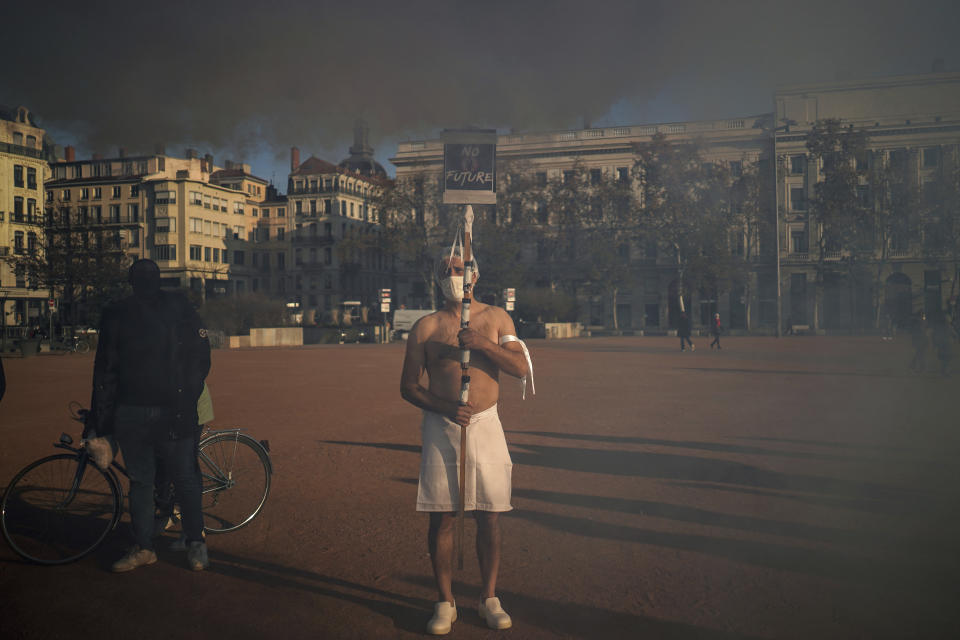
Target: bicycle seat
{"points": [[66, 439]]}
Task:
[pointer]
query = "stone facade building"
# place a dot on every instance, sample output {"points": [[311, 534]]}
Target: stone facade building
{"points": [[916, 118], [23, 172]]}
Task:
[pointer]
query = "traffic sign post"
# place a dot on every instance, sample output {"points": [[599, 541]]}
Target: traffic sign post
{"points": [[385, 311]]}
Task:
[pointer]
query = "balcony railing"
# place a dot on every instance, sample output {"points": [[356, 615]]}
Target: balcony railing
{"points": [[318, 239], [27, 218], [20, 150]]}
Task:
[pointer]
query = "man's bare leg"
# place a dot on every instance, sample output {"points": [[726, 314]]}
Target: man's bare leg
{"points": [[440, 543], [488, 550]]}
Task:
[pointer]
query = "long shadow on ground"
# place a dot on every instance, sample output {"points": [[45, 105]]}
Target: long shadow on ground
{"points": [[407, 613], [866, 495]]}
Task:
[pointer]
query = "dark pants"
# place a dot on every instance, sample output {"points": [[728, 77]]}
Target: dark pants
{"points": [[685, 339], [143, 434], [716, 340]]}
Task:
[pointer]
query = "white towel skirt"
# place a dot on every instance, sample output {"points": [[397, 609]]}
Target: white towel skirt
{"points": [[488, 470]]}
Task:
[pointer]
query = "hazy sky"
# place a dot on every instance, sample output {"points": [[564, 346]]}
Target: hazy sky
{"points": [[246, 80]]}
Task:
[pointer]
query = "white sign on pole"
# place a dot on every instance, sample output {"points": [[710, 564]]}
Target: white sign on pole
{"points": [[509, 305]]}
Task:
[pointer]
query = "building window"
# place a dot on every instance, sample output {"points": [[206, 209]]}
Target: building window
{"points": [[195, 252], [798, 201], [798, 242], [134, 235], [65, 195], [255, 259], [166, 251], [280, 233], [133, 212], [862, 162], [343, 207], [17, 175], [18, 138], [196, 225], [31, 207], [114, 213], [216, 254], [298, 257], [281, 212], [223, 256], [281, 261], [206, 254], [313, 206], [17, 206], [115, 192], [18, 241], [797, 165], [596, 176], [207, 228], [85, 193], [266, 212], [162, 197], [238, 256], [568, 176], [327, 256], [164, 225], [31, 178], [299, 206], [196, 198], [97, 193], [931, 157]]}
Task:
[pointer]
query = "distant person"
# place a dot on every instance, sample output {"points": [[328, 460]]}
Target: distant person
{"points": [[943, 337], [716, 329], [683, 330], [921, 344], [434, 348], [152, 358]]}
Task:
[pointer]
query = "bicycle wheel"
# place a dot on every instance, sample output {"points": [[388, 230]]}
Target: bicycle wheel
{"points": [[236, 480], [52, 516], [83, 346]]}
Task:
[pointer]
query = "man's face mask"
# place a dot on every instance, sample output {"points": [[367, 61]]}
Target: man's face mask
{"points": [[452, 288]]}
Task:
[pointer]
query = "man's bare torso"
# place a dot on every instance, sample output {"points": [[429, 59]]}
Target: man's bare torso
{"points": [[443, 356]]}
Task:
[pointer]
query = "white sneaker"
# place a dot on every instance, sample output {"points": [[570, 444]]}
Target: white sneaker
{"points": [[444, 615], [491, 611]]}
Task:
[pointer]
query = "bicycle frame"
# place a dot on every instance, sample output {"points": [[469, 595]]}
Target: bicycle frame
{"points": [[66, 443]]}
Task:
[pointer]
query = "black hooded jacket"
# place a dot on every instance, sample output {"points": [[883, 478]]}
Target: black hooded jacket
{"points": [[152, 351]]}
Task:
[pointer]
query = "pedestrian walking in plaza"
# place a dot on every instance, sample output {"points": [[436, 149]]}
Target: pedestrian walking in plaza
{"points": [[943, 338], [434, 348], [152, 358], [683, 330], [716, 329], [921, 343]]}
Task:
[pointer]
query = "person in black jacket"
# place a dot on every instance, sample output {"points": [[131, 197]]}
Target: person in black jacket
{"points": [[152, 358], [716, 329], [683, 330]]}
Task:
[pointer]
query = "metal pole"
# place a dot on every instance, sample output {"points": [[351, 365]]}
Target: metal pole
{"points": [[776, 215], [465, 369]]}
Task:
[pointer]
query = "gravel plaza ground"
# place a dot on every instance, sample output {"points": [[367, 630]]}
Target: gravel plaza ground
{"points": [[794, 488]]}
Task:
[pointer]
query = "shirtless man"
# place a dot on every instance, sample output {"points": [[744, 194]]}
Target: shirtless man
{"points": [[434, 347]]}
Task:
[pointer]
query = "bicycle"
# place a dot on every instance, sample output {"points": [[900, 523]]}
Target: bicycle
{"points": [[62, 507]]}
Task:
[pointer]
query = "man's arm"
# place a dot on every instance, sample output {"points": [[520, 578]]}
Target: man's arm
{"points": [[508, 357], [414, 366]]}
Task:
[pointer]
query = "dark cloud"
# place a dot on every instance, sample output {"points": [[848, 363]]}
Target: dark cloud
{"points": [[241, 75]]}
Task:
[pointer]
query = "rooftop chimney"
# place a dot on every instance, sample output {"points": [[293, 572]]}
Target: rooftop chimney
{"points": [[208, 159], [69, 154], [294, 159], [191, 154]]}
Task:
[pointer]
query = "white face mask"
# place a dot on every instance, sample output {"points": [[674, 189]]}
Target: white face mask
{"points": [[452, 288]]}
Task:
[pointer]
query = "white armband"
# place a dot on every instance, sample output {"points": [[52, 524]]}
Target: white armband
{"points": [[523, 381]]}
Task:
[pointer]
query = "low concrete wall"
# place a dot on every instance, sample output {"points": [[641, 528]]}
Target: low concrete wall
{"points": [[269, 337], [560, 330], [276, 337]]}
